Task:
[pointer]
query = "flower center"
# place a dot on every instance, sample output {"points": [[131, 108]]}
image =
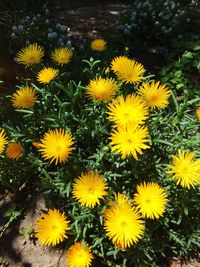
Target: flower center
{"points": [[91, 190]]}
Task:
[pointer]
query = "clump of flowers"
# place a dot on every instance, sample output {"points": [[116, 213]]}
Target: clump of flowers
{"points": [[40, 27], [153, 21], [122, 134], [51, 228]]}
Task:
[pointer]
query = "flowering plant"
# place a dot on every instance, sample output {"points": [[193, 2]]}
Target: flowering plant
{"points": [[115, 155], [153, 22]]}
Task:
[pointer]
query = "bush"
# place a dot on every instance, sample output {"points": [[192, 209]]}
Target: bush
{"points": [[182, 74], [154, 22], [73, 109]]}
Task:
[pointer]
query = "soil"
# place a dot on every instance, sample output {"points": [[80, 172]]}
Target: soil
{"points": [[91, 19]]}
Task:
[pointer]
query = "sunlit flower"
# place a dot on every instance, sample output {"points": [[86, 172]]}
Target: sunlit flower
{"points": [[129, 140], [118, 62], [127, 70], [14, 150], [151, 200], [3, 140], [51, 228], [125, 110], [62, 55], [123, 224], [101, 89], [198, 113], [56, 145], [30, 55], [186, 169], [89, 188], [98, 45], [155, 95], [24, 97], [46, 75], [79, 255]]}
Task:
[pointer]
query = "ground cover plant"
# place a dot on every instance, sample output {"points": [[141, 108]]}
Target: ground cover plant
{"points": [[114, 151]]}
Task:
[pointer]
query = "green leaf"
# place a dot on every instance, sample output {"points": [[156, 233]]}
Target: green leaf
{"points": [[24, 111]]}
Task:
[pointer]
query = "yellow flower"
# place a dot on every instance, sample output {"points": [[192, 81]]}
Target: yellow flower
{"points": [[24, 97], [101, 89], [46, 75], [127, 70], [118, 62], [14, 150], [30, 55], [186, 169], [155, 95], [89, 188], [51, 228], [151, 200], [129, 140], [198, 113], [123, 224], [79, 255], [56, 145], [62, 55], [130, 109], [98, 45], [3, 140]]}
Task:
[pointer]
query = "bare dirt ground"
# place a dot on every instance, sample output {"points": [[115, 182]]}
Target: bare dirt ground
{"points": [[89, 18]]}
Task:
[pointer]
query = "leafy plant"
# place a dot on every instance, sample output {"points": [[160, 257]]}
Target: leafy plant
{"points": [[153, 22], [182, 74]]}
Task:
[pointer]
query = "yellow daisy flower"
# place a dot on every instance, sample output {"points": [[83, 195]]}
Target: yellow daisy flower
{"points": [[186, 169], [14, 150], [151, 200], [155, 95], [3, 140], [198, 113], [129, 140], [117, 62], [125, 110], [56, 145], [24, 97], [30, 55], [89, 188], [51, 228], [62, 55], [123, 224], [98, 45], [127, 70], [101, 89], [79, 255], [46, 75]]}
